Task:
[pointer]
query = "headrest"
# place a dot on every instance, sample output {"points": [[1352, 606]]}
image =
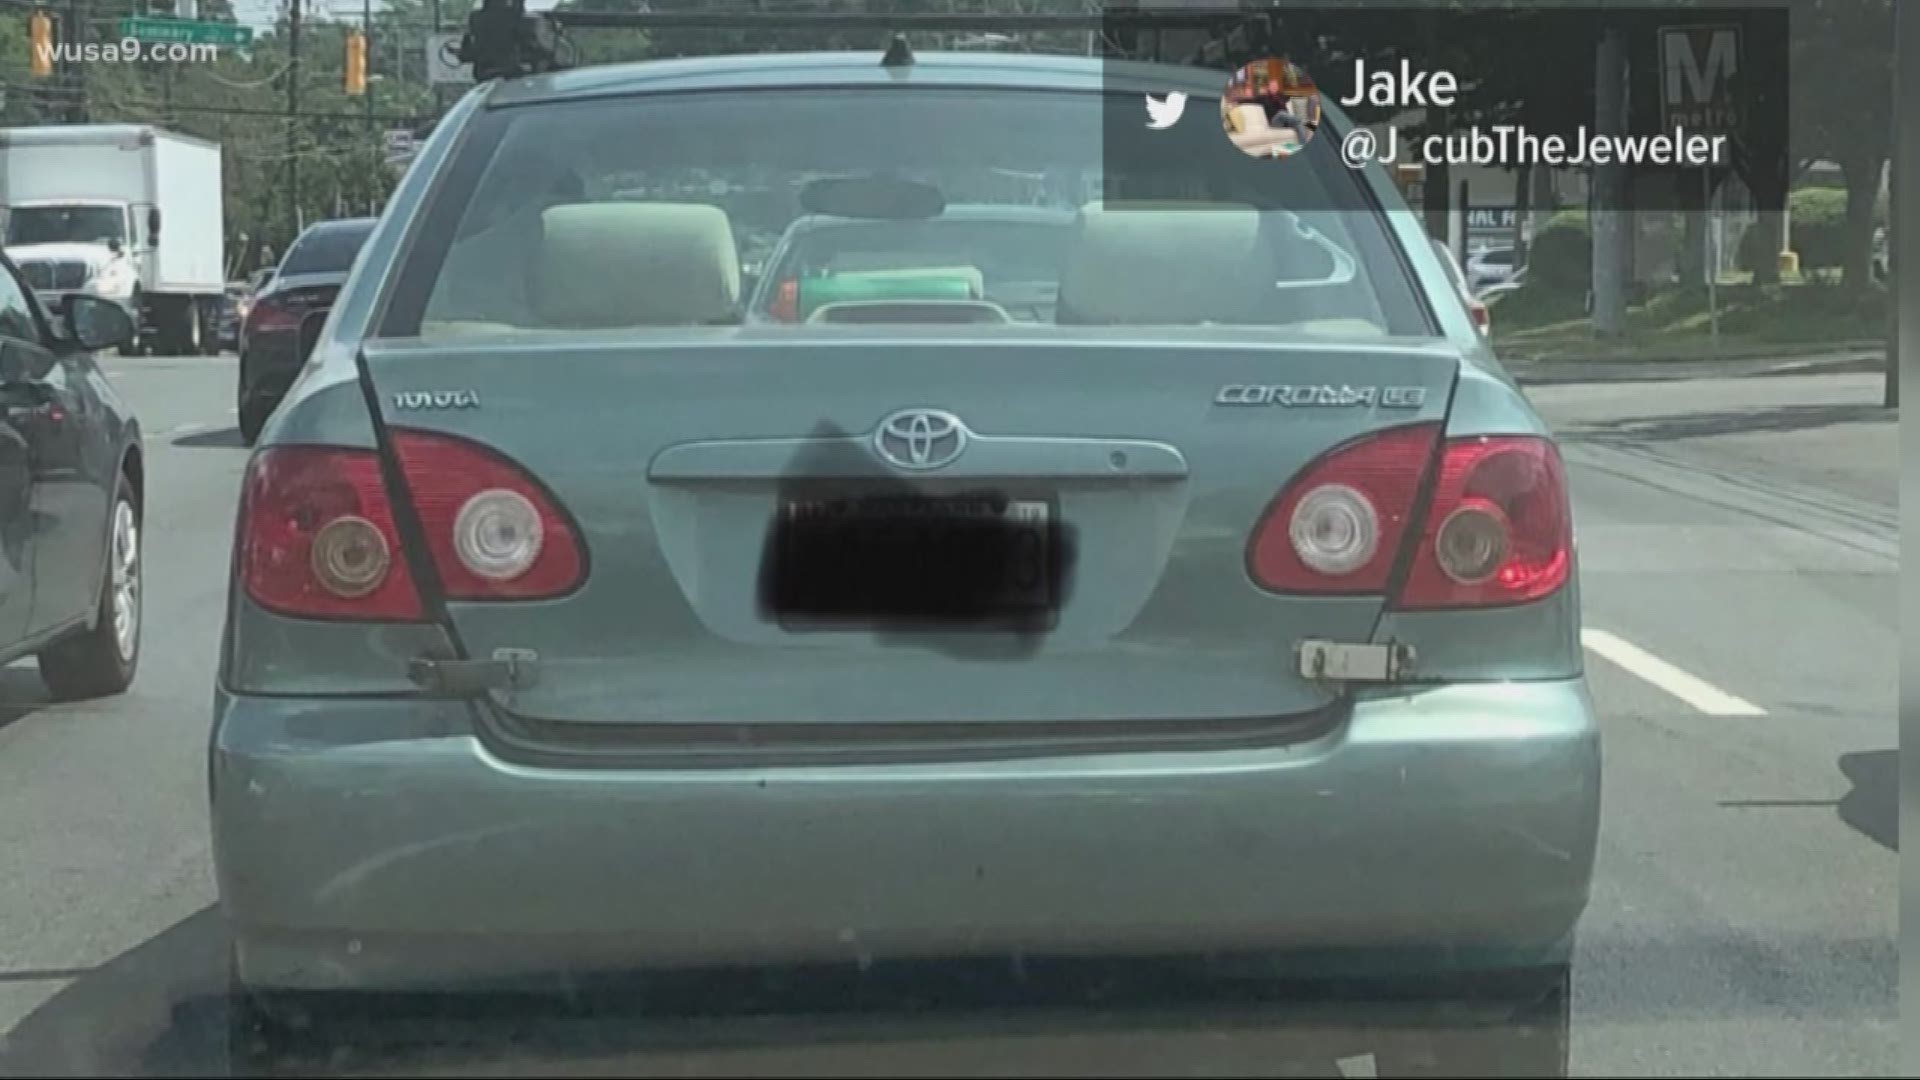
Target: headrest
{"points": [[1169, 263], [1250, 117], [610, 264]]}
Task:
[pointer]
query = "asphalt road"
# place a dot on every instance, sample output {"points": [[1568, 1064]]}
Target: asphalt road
{"points": [[1739, 556]]}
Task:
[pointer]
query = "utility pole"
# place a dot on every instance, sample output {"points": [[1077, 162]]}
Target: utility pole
{"points": [[74, 79], [1438, 178], [1608, 217], [366, 33], [1711, 218], [1899, 165], [439, 99], [293, 122]]}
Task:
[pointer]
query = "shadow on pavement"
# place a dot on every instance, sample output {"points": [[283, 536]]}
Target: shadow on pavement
{"points": [[21, 692], [162, 1009], [121, 1018], [224, 438], [1786, 418], [1872, 806]]}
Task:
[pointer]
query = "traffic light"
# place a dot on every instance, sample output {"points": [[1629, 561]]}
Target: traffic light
{"points": [[356, 67], [39, 45]]}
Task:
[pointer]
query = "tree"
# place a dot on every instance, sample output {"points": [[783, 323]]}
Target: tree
{"points": [[1842, 106]]}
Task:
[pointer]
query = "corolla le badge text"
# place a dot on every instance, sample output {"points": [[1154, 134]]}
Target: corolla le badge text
{"points": [[1308, 396], [415, 400], [920, 438]]}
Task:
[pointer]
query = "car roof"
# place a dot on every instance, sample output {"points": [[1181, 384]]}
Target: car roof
{"points": [[359, 224], [1023, 71]]}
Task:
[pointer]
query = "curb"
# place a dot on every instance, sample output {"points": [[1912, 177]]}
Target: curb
{"points": [[1576, 371]]}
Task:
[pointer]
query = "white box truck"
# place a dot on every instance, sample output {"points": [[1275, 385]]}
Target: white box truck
{"points": [[127, 211]]}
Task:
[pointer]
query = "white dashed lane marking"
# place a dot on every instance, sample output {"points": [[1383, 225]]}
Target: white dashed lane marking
{"points": [[1689, 688]]}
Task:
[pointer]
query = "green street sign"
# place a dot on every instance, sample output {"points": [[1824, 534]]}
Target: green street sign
{"points": [[144, 28]]}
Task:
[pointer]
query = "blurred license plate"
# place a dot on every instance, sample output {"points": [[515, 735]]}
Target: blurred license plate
{"points": [[917, 558]]}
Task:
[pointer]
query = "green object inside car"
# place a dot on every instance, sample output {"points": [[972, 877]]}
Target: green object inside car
{"points": [[948, 283]]}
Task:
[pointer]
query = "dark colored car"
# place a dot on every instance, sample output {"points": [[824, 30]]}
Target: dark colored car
{"points": [[71, 493], [243, 294], [231, 311], [304, 284]]}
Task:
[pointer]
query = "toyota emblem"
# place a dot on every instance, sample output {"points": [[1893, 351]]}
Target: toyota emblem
{"points": [[920, 438]]}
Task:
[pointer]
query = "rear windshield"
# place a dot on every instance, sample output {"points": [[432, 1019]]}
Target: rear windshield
{"points": [[671, 210], [325, 251]]}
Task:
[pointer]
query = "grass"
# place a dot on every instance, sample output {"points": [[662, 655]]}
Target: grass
{"points": [[1791, 318]]}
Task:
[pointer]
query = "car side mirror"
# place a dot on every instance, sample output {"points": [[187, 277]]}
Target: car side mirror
{"points": [[153, 223], [114, 245], [95, 322]]}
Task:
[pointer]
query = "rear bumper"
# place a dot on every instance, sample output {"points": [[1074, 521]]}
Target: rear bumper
{"points": [[379, 844]]}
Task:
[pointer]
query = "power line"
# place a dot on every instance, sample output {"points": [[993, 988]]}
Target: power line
{"points": [[280, 114]]}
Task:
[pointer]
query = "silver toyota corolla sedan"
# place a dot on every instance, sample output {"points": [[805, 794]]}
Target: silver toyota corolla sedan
{"points": [[1223, 600]]}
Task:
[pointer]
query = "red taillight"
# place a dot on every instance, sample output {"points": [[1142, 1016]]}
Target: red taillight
{"points": [[1482, 318], [317, 537], [785, 305], [492, 531], [1337, 526], [266, 315], [1499, 530]]}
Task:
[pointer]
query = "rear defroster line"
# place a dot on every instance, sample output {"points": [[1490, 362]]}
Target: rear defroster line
{"points": [[406, 518], [1410, 538], [413, 539]]}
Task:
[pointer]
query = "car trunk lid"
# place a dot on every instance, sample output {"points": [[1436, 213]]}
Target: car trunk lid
{"points": [[689, 460]]}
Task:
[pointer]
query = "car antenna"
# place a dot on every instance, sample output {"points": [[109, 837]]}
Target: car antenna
{"points": [[899, 53]]}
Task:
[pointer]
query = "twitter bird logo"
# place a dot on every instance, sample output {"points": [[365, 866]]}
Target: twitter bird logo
{"points": [[1164, 113]]}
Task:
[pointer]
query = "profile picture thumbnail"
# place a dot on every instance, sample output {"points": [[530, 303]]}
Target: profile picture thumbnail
{"points": [[1270, 108]]}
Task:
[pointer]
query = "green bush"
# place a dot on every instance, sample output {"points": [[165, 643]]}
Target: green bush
{"points": [[1575, 219], [1819, 231], [1561, 257], [1819, 226]]}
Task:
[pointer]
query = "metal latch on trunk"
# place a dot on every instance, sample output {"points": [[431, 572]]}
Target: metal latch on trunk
{"points": [[510, 669], [1336, 661]]}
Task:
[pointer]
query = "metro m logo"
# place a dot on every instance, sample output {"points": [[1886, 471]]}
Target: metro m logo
{"points": [[1698, 68]]}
